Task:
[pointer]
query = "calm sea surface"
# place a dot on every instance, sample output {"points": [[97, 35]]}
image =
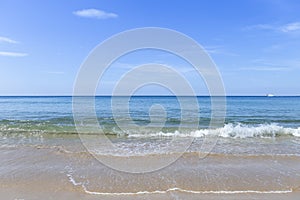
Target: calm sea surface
{"points": [[54, 114]]}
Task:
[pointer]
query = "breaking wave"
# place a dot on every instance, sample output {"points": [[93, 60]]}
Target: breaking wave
{"points": [[232, 131]]}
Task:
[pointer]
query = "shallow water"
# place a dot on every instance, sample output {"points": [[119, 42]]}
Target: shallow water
{"points": [[256, 153]]}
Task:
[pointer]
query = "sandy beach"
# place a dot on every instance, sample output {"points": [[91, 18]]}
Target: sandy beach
{"points": [[59, 171]]}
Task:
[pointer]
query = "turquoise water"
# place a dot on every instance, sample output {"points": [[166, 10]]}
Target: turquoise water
{"points": [[257, 151], [246, 116]]}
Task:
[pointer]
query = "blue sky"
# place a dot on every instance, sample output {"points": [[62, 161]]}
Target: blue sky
{"points": [[255, 44]]}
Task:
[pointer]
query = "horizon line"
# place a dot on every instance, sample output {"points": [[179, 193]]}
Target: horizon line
{"points": [[148, 95]]}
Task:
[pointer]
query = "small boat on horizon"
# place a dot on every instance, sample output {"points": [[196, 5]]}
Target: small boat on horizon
{"points": [[270, 95]]}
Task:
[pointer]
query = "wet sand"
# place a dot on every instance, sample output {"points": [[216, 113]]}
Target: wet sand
{"points": [[53, 172]]}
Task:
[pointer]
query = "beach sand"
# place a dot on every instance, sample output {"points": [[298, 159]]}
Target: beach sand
{"points": [[56, 172]]}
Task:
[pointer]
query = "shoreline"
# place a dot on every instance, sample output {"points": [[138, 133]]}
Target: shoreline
{"points": [[48, 173]]}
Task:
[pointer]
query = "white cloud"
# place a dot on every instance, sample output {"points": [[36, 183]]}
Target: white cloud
{"points": [[266, 65], [8, 40], [218, 50], [290, 27], [285, 28], [12, 54], [94, 13]]}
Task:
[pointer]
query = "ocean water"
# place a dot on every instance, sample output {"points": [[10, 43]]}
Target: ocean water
{"points": [[246, 116], [257, 150]]}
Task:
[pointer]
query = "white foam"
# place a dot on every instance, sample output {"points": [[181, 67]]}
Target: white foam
{"points": [[70, 177], [232, 131], [189, 191], [72, 180], [296, 132]]}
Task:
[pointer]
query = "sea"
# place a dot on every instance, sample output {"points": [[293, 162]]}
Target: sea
{"points": [[144, 147]]}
